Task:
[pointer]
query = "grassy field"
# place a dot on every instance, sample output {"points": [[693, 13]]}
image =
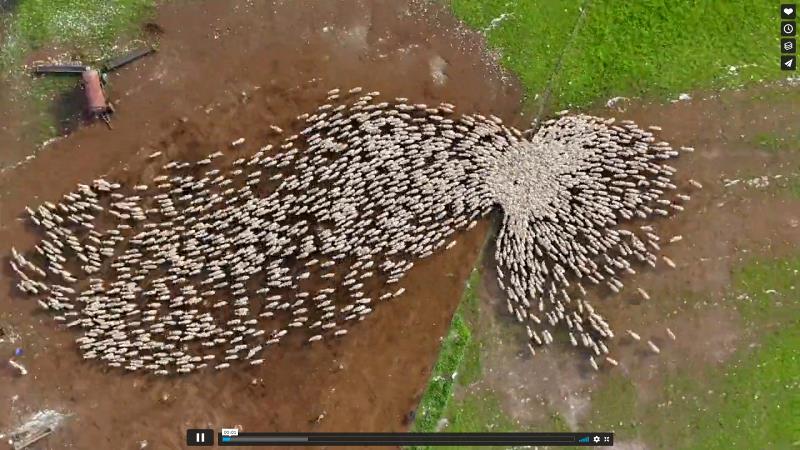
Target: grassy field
{"points": [[656, 50], [648, 48], [474, 411], [458, 366], [453, 355], [440, 388], [529, 34], [746, 403], [84, 30], [774, 142]]}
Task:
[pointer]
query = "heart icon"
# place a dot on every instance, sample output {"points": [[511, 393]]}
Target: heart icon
{"points": [[788, 11]]}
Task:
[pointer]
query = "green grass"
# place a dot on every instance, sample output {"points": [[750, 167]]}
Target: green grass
{"points": [[558, 423], [648, 48], [479, 412], [471, 367], [794, 188], [440, 388], [439, 391], [530, 37], [748, 403], [660, 48], [86, 28], [776, 142], [473, 411], [614, 407], [770, 289], [461, 355]]}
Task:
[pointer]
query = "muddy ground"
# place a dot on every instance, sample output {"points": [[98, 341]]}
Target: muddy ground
{"points": [[226, 70], [726, 224]]}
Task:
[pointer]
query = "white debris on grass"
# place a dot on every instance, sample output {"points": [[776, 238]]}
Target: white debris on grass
{"points": [[497, 21]]}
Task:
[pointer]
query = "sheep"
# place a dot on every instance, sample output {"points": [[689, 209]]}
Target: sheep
{"points": [[337, 206]]}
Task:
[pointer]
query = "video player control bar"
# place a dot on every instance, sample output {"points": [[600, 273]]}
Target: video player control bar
{"points": [[590, 439]]}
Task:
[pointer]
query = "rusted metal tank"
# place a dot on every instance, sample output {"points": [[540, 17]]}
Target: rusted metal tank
{"points": [[97, 105], [95, 97]]}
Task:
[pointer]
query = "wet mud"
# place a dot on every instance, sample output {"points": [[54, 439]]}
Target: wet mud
{"points": [[227, 70]]}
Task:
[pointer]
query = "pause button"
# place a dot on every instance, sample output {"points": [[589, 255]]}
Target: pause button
{"points": [[200, 438]]}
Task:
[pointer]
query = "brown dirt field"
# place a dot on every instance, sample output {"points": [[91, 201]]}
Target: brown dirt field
{"points": [[227, 70], [722, 227]]}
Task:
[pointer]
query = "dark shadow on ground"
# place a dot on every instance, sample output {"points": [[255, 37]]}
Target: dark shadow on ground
{"points": [[68, 109], [7, 6]]}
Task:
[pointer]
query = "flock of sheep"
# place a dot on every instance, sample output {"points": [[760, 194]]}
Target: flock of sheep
{"points": [[212, 261]]}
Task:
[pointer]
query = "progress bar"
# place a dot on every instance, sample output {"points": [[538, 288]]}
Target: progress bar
{"points": [[427, 439]]}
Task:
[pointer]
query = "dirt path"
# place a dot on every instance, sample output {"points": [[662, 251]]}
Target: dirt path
{"points": [[722, 227], [227, 70]]}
